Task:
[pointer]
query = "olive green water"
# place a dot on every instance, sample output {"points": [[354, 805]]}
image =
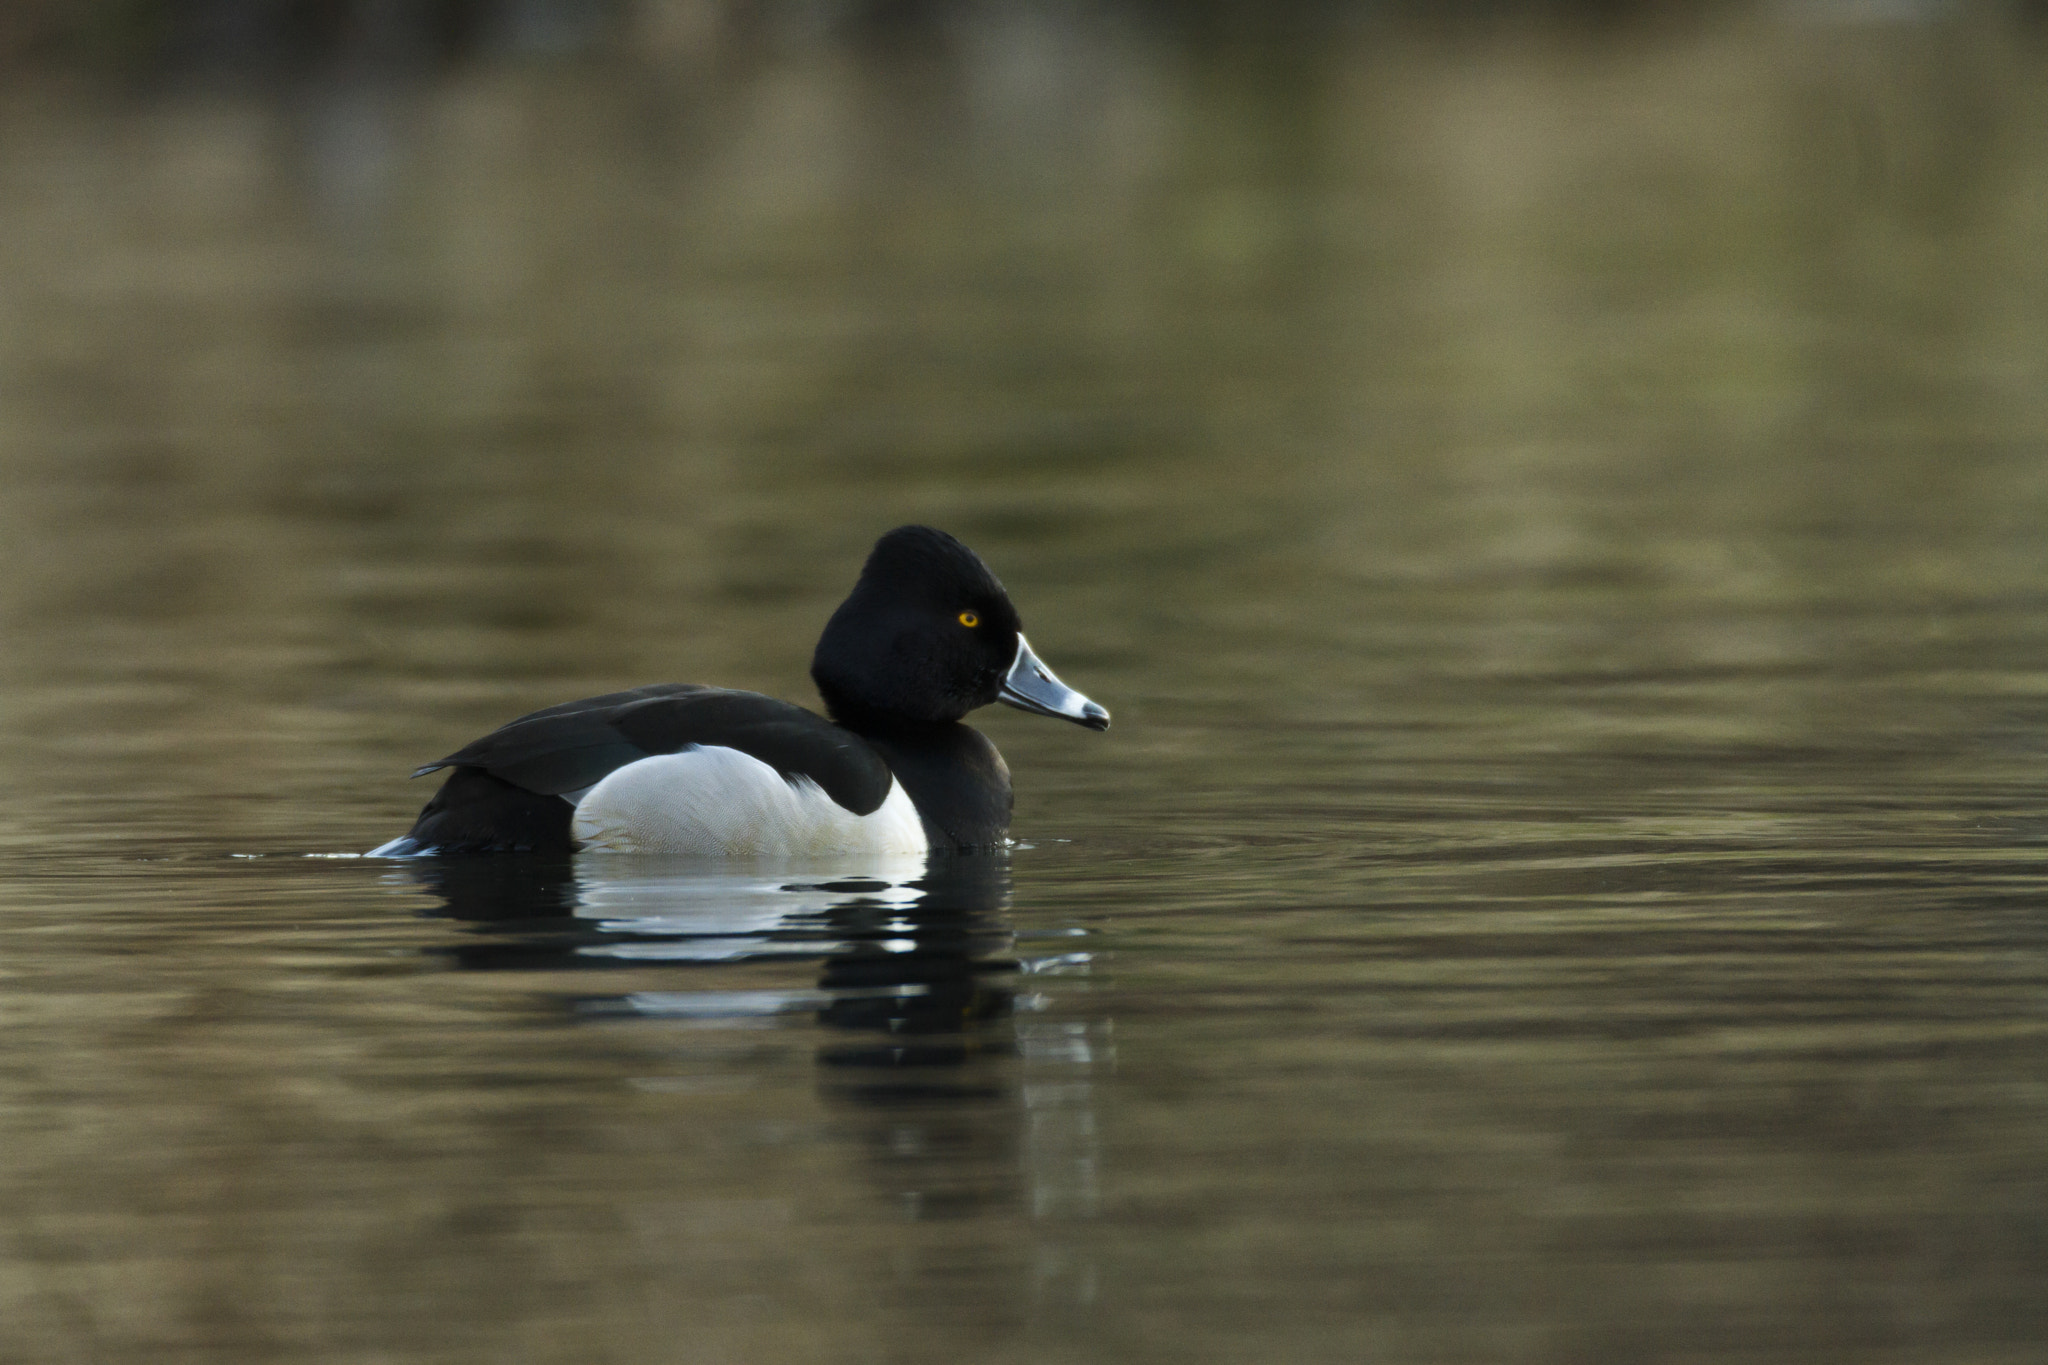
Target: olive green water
{"points": [[1558, 523]]}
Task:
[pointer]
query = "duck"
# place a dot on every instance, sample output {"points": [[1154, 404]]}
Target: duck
{"points": [[927, 635]]}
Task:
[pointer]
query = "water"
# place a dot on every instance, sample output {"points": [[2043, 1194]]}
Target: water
{"points": [[1557, 521]]}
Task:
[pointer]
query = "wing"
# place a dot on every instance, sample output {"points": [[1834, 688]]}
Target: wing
{"points": [[572, 746], [566, 747]]}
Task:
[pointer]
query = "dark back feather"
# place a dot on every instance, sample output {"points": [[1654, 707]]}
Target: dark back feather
{"points": [[572, 746]]}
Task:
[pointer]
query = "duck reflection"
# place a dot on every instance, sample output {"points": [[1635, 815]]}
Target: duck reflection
{"points": [[900, 927], [957, 1067]]}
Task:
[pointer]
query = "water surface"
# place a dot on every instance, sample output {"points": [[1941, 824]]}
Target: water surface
{"points": [[1557, 521]]}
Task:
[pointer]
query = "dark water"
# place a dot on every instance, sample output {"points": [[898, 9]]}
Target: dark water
{"points": [[1557, 520]]}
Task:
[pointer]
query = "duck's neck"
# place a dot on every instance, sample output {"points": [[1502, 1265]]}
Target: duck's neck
{"points": [[951, 772]]}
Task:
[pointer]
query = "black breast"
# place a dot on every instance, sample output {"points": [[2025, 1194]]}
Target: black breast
{"points": [[957, 780]]}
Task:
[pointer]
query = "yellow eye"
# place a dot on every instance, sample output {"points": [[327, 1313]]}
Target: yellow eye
{"points": [[968, 618]]}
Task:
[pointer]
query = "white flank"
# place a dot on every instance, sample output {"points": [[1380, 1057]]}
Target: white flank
{"points": [[719, 801]]}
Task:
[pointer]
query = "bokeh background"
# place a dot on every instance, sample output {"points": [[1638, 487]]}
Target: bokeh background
{"points": [[1552, 494]]}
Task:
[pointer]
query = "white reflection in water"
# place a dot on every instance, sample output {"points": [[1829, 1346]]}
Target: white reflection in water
{"points": [[705, 949], [700, 912]]}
